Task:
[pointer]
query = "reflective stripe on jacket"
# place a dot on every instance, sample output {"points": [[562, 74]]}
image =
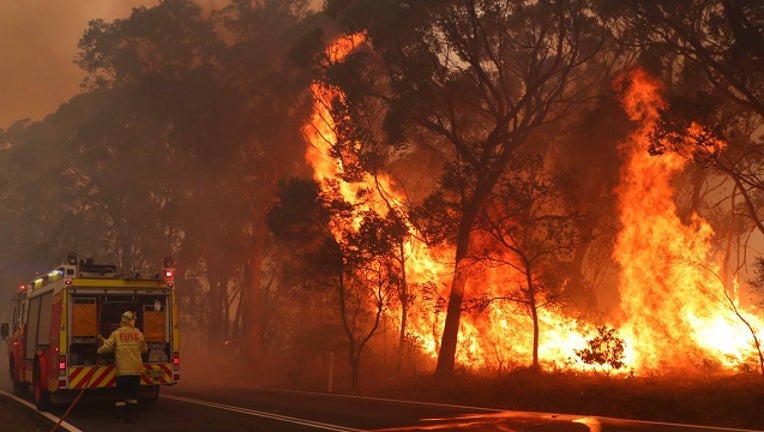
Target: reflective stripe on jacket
{"points": [[127, 344]]}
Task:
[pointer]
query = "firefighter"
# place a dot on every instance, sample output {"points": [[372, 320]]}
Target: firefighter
{"points": [[127, 344]]}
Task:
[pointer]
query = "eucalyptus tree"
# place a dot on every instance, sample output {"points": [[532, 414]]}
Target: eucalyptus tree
{"points": [[39, 220], [269, 102], [156, 69], [472, 80], [530, 231], [719, 39], [348, 249], [141, 65], [222, 112]]}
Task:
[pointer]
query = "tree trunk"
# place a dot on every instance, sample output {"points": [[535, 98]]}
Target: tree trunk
{"points": [[253, 321], [253, 317], [404, 297], [355, 364], [215, 312], [534, 316], [447, 354]]}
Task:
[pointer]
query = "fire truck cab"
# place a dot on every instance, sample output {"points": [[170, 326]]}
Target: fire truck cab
{"points": [[57, 320]]}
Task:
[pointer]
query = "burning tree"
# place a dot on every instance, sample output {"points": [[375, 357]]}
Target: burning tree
{"points": [[660, 255], [532, 235], [472, 80], [375, 276], [348, 249], [712, 53]]}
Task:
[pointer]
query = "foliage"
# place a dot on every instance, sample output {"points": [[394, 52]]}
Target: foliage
{"points": [[528, 230], [472, 81], [605, 350], [164, 41]]}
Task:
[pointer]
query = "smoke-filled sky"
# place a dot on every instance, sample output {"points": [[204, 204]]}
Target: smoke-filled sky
{"points": [[38, 44]]}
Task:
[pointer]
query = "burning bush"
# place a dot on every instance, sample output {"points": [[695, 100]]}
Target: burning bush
{"points": [[605, 350]]}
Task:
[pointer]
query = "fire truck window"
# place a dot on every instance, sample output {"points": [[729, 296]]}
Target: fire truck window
{"points": [[46, 304], [24, 313], [34, 315], [15, 317]]}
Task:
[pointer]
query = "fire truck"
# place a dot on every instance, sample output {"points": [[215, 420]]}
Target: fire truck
{"points": [[59, 317]]}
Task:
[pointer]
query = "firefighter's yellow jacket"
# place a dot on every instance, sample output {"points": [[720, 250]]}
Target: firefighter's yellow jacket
{"points": [[127, 344]]}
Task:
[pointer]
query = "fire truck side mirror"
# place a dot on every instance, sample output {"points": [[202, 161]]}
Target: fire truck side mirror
{"points": [[4, 330]]}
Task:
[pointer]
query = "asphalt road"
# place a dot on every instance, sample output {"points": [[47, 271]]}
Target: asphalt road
{"points": [[187, 407]]}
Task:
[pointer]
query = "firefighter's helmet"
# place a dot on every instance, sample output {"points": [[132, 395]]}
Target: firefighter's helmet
{"points": [[128, 316]]}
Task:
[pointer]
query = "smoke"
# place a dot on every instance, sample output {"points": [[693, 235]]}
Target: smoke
{"points": [[38, 43]]}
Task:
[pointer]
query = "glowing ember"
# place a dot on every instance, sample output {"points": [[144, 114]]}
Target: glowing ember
{"points": [[675, 314]]}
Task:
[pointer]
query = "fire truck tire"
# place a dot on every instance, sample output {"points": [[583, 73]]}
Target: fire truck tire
{"points": [[41, 394], [19, 387]]}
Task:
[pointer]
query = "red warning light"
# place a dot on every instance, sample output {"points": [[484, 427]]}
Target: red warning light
{"points": [[169, 273]]}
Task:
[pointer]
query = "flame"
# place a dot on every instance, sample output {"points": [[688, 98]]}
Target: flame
{"points": [[673, 297], [673, 305]]}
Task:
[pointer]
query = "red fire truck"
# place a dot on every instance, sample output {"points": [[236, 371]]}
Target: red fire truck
{"points": [[57, 320]]}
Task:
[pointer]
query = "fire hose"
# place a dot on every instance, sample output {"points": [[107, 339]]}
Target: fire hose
{"points": [[77, 399]]}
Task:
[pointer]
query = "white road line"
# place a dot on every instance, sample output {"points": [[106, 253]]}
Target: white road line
{"points": [[64, 424], [263, 414]]}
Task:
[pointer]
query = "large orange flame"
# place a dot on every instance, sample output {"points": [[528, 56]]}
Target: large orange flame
{"points": [[676, 310], [673, 302]]}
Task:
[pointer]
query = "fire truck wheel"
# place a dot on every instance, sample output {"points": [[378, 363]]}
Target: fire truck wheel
{"points": [[41, 394], [19, 387]]}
